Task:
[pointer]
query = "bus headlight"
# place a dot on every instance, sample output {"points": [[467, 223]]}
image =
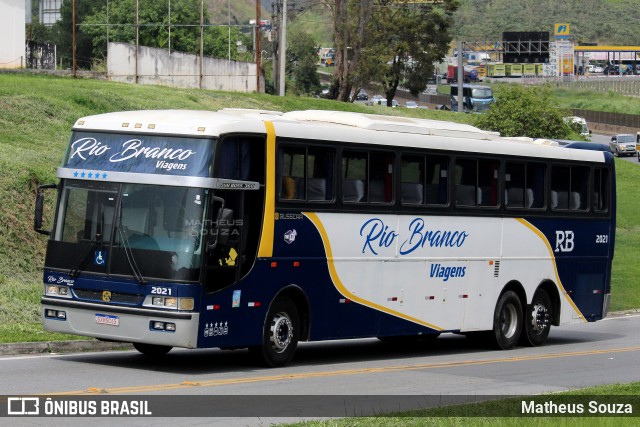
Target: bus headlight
{"points": [[185, 303], [170, 302], [57, 291]]}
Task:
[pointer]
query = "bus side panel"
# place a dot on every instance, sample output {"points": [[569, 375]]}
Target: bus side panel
{"points": [[581, 249]]}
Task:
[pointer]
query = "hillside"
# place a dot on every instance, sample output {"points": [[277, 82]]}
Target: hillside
{"points": [[596, 21]]}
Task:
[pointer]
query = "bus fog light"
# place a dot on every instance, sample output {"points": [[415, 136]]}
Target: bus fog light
{"points": [[50, 313], [158, 325], [170, 302], [157, 301], [62, 315], [185, 303], [170, 327]]}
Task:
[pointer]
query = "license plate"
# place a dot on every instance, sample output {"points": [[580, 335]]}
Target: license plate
{"points": [[107, 319]]}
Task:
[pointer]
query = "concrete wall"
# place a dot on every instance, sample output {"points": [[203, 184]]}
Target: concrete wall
{"points": [[156, 66], [12, 33]]}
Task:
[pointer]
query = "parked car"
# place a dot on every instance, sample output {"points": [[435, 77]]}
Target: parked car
{"points": [[362, 96], [411, 104], [623, 144]]}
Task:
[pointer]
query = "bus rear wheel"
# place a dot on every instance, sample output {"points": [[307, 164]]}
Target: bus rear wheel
{"points": [[152, 350], [537, 320], [280, 335], [507, 321]]}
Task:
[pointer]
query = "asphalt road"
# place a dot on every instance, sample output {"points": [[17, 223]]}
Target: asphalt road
{"points": [[575, 356]]}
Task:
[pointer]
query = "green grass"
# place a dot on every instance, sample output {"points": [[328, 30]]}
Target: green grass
{"points": [[501, 413], [37, 113], [611, 102]]}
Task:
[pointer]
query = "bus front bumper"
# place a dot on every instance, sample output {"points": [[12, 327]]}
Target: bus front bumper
{"points": [[117, 323]]}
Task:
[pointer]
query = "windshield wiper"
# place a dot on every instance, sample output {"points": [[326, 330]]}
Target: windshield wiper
{"points": [[97, 239], [127, 250]]}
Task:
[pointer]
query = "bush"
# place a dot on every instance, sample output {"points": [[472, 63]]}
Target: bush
{"points": [[525, 111]]}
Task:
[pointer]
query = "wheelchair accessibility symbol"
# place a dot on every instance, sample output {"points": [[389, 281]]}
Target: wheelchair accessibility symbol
{"points": [[100, 257]]}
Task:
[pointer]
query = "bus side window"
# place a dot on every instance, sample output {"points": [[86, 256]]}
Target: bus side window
{"points": [[354, 176], [305, 173], [600, 186], [569, 187]]}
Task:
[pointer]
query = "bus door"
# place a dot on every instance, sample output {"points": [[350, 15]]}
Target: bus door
{"points": [[235, 217]]}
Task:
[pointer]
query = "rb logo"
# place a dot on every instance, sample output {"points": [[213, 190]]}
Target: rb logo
{"points": [[564, 241]]}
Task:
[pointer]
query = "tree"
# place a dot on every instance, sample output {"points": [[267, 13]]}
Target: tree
{"points": [[524, 111], [62, 33], [302, 56], [409, 38], [350, 18], [154, 20], [389, 41]]}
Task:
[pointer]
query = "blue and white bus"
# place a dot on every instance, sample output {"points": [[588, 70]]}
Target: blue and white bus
{"points": [[475, 98], [256, 229]]}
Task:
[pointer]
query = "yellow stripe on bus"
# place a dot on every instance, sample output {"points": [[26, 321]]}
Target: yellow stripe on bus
{"points": [[266, 240], [343, 290], [553, 259]]}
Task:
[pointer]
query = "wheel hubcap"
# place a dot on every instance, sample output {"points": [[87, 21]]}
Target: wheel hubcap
{"points": [[509, 321], [539, 318], [281, 332]]}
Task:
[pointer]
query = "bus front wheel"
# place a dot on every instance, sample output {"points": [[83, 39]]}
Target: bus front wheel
{"points": [[507, 321], [537, 320], [152, 350], [280, 335]]}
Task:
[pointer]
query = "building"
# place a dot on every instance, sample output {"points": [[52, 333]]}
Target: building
{"points": [[49, 11], [12, 33]]}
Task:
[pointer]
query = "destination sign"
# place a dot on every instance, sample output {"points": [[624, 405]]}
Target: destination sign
{"points": [[151, 154]]}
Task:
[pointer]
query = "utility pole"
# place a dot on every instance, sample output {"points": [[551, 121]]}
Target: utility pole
{"points": [[201, 39], [283, 48], [73, 38], [258, 47], [460, 78]]}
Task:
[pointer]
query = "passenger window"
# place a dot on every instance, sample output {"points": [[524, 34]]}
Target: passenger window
{"points": [[569, 188], [476, 182], [305, 174], [524, 185], [600, 190], [367, 177], [424, 180]]}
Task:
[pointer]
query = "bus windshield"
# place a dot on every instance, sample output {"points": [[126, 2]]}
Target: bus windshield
{"points": [[147, 230], [482, 93]]}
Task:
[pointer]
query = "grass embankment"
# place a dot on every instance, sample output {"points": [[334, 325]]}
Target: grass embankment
{"points": [[36, 115], [502, 413]]}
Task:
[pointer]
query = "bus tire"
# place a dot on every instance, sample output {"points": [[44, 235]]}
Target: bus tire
{"points": [[152, 350], [280, 335], [507, 321], [537, 320]]}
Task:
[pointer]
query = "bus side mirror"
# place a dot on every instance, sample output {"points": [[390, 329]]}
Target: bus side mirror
{"points": [[39, 209]]}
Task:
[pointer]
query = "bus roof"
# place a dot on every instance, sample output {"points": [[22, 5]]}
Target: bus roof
{"points": [[330, 125]]}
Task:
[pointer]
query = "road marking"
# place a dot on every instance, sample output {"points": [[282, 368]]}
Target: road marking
{"points": [[345, 372]]}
